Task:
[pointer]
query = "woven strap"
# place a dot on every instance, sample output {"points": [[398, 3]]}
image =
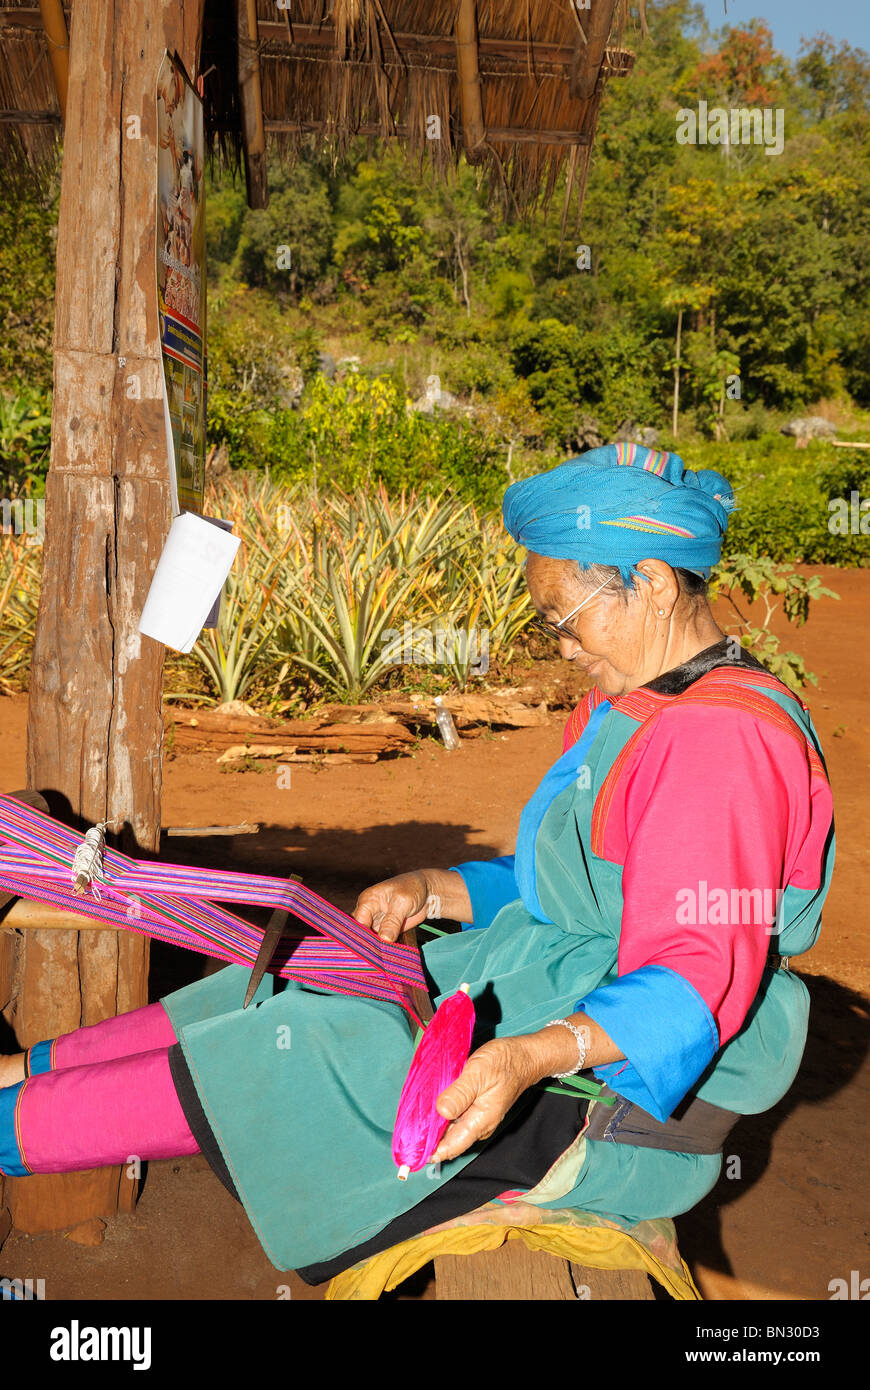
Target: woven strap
{"points": [[174, 903]]}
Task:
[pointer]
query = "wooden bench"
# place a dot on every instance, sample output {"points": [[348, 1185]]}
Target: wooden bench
{"points": [[515, 1272]]}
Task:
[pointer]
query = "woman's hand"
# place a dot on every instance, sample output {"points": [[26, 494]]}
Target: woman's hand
{"points": [[399, 903], [395, 905], [493, 1077], [497, 1073]]}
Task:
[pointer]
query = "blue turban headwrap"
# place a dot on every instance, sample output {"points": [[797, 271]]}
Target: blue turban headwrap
{"points": [[620, 504]]}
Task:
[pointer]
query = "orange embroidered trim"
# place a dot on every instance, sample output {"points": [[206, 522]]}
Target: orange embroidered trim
{"points": [[18, 1127], [580, 714], [728, 692]]}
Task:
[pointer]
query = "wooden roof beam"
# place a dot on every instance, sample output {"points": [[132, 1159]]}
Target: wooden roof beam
{"points": [[468, 71], [251, 103], [57, 38], [323, 36], [29, 118], [409, 44], [595, 23], [496, 134]]}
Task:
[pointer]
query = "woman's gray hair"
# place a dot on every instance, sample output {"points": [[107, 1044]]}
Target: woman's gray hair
{"points": [[692, 585]]}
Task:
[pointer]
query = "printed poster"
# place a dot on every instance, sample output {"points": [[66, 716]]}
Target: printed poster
{"points": [[181, 280]]}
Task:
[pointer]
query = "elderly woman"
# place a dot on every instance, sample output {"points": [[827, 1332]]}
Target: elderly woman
{"points": [[668, 864]]}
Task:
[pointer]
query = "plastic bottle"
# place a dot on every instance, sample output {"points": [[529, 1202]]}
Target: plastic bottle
{"points": [[444, 720]]}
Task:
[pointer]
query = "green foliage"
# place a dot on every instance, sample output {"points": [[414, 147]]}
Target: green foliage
{"points": [[378, 219], [367, 582], [761, 579], [288, 245], [361, 431], [333, 593], [763, 258], [783, 496], [25, 438], [28, 228]]}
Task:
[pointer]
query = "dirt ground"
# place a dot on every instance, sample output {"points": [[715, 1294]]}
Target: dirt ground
{"points": [[795, 1218]]}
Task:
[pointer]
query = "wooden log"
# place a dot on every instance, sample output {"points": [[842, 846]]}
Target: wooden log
{"points": [[187, 831], [8, 962], [339, 738], [356, 728], [95, 727]]}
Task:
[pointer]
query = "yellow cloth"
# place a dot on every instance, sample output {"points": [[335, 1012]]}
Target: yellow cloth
{"points": [[601, 1247]]}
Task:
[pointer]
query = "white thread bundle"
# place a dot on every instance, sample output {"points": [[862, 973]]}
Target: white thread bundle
{"points": [[87, 866]]}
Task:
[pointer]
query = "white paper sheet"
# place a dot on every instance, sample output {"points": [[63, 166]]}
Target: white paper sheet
{"points": [[190, 574]]}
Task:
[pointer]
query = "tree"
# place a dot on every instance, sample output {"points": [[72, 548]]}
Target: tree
{"points": [[289, 244]]}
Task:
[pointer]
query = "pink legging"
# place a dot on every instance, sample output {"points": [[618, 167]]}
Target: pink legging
{"points": [[108, 1099]]}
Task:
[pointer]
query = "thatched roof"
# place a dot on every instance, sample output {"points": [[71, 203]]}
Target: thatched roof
{"points": [[339, 69]]}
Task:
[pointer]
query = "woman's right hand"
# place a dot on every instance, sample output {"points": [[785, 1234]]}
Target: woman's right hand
{"points": [[394, 905]]}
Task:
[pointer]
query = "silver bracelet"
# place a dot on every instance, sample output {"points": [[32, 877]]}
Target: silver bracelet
{"points": [[581, 1034], [433, 907]]}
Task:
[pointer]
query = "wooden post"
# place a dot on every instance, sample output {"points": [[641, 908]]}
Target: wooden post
{"points": [[95, 728], [595, 24], [251, 102], [468, 71]]}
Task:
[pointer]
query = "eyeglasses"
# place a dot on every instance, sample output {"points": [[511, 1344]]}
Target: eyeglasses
{"points": [[559, 629]]}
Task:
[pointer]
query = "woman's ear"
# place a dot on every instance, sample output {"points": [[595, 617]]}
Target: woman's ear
{"points": [[663, 589]]}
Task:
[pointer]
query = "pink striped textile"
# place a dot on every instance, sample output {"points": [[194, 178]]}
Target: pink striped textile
{"points": [[177, 904]]}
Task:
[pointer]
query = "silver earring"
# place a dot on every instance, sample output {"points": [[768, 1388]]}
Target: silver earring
{"points": [[661, 612]]}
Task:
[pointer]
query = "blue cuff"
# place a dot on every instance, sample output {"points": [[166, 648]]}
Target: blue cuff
{"points": [[37, 1059], [663, 1027], [491, 886], [12, 1163]]}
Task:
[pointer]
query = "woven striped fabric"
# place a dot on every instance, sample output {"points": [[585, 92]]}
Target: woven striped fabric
{"points": [[177, 904], [649, 523], [627, 454]]}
